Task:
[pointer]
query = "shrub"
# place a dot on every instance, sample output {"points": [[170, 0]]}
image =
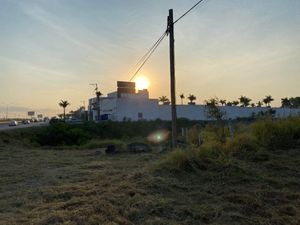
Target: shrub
{"points": [[242, 143], [243, 146], [215, 133], [178, 160], [282, 133], [190, 160], [61, 134], [193, 136]]}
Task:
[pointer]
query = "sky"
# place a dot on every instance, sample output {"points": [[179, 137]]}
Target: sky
{"points": [[53, 50]]}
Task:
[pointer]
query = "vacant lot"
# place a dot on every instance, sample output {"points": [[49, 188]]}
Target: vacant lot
{"points": [[41, 186]]}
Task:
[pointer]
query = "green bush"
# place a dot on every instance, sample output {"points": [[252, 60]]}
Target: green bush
{"points": [[241, 143], [243, 146], [282, 133], [61, 134], [190, 160], [178, 160], [215, 133]]}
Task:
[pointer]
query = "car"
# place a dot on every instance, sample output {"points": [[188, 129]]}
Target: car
{"points": [[13, 123], [26, 121]]}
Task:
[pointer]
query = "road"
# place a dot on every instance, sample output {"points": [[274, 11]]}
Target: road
{"points": [[4, 127]]}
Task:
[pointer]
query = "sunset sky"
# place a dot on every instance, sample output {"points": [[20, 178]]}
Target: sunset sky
{"points": [[52, 50]]}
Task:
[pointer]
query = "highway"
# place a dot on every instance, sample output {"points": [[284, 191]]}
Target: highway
{"points": [[4, 127]]}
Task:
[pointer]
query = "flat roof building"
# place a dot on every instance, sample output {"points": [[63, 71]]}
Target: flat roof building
{"points": [[126, 104]]}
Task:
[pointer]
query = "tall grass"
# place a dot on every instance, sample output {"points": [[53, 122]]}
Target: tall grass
{"points": [[248, 143], [283, 133]]}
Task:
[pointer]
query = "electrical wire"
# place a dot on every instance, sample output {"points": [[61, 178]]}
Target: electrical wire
{"points": [[187, 12], [142, 61], [146, 57]]}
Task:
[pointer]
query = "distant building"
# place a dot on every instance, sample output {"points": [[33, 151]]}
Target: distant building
{"points": [[128, 105]]}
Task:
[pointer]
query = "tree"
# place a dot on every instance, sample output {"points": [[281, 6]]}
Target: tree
{"points": [[252, 104], [285, 103], [164, 100], [235, 103], [229, 104], [64, 104], [213, 109], [267, 100], [192, 98], [295, 102], [259, 104], [182, 97], [223, 102], [244, 101], [217, 114], [98, 95]]}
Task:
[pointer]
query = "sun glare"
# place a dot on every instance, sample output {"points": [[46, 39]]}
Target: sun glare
{"points": [[141, 83]]}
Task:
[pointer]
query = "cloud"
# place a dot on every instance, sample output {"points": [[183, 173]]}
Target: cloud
{"points": [[35, 68], [46, 18]]}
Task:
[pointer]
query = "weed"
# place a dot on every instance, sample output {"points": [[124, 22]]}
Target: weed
{"points": [[282, 133]]}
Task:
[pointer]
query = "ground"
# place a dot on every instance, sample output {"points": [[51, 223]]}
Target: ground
{"points": [[40, 186]]}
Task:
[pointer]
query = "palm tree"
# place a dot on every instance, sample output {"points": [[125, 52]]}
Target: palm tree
{"points": [[98, 95], [192, 98], [252, 104], [259, 104], [267, 100], [64, 104], [212, 102], [285, 103], [182, 97], [244, 101], [164, 100], [229, 104], [223, 102]]}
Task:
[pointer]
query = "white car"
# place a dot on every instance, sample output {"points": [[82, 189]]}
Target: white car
{"points": [[13, 123]]}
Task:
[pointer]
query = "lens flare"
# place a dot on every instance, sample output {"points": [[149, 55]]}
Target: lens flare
{"points": [[158, 136]]}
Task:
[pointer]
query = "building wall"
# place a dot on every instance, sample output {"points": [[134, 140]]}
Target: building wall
{"points": [[199, 112], [129, 109], [138, 106], [108, 105]]}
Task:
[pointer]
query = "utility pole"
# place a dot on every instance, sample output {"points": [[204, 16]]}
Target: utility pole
{"points": [[172, 78]]}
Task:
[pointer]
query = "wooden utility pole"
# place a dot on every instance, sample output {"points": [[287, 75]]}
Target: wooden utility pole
{"points": [[172, 78]]}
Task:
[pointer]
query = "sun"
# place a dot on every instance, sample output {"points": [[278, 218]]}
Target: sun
{"points": [[142, 83]]}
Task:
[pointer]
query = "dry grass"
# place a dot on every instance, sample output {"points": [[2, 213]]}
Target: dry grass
{"points": [[89, 187]]}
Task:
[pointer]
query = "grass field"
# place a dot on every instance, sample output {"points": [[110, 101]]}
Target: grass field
{"points": [[41, 186]]}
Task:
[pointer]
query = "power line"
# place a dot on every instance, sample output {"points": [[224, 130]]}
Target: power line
{"points": [[145, 58], [142, 61], [183, 15]]}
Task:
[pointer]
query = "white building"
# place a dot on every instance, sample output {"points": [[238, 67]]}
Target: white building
{"points": [[126, 104]]}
